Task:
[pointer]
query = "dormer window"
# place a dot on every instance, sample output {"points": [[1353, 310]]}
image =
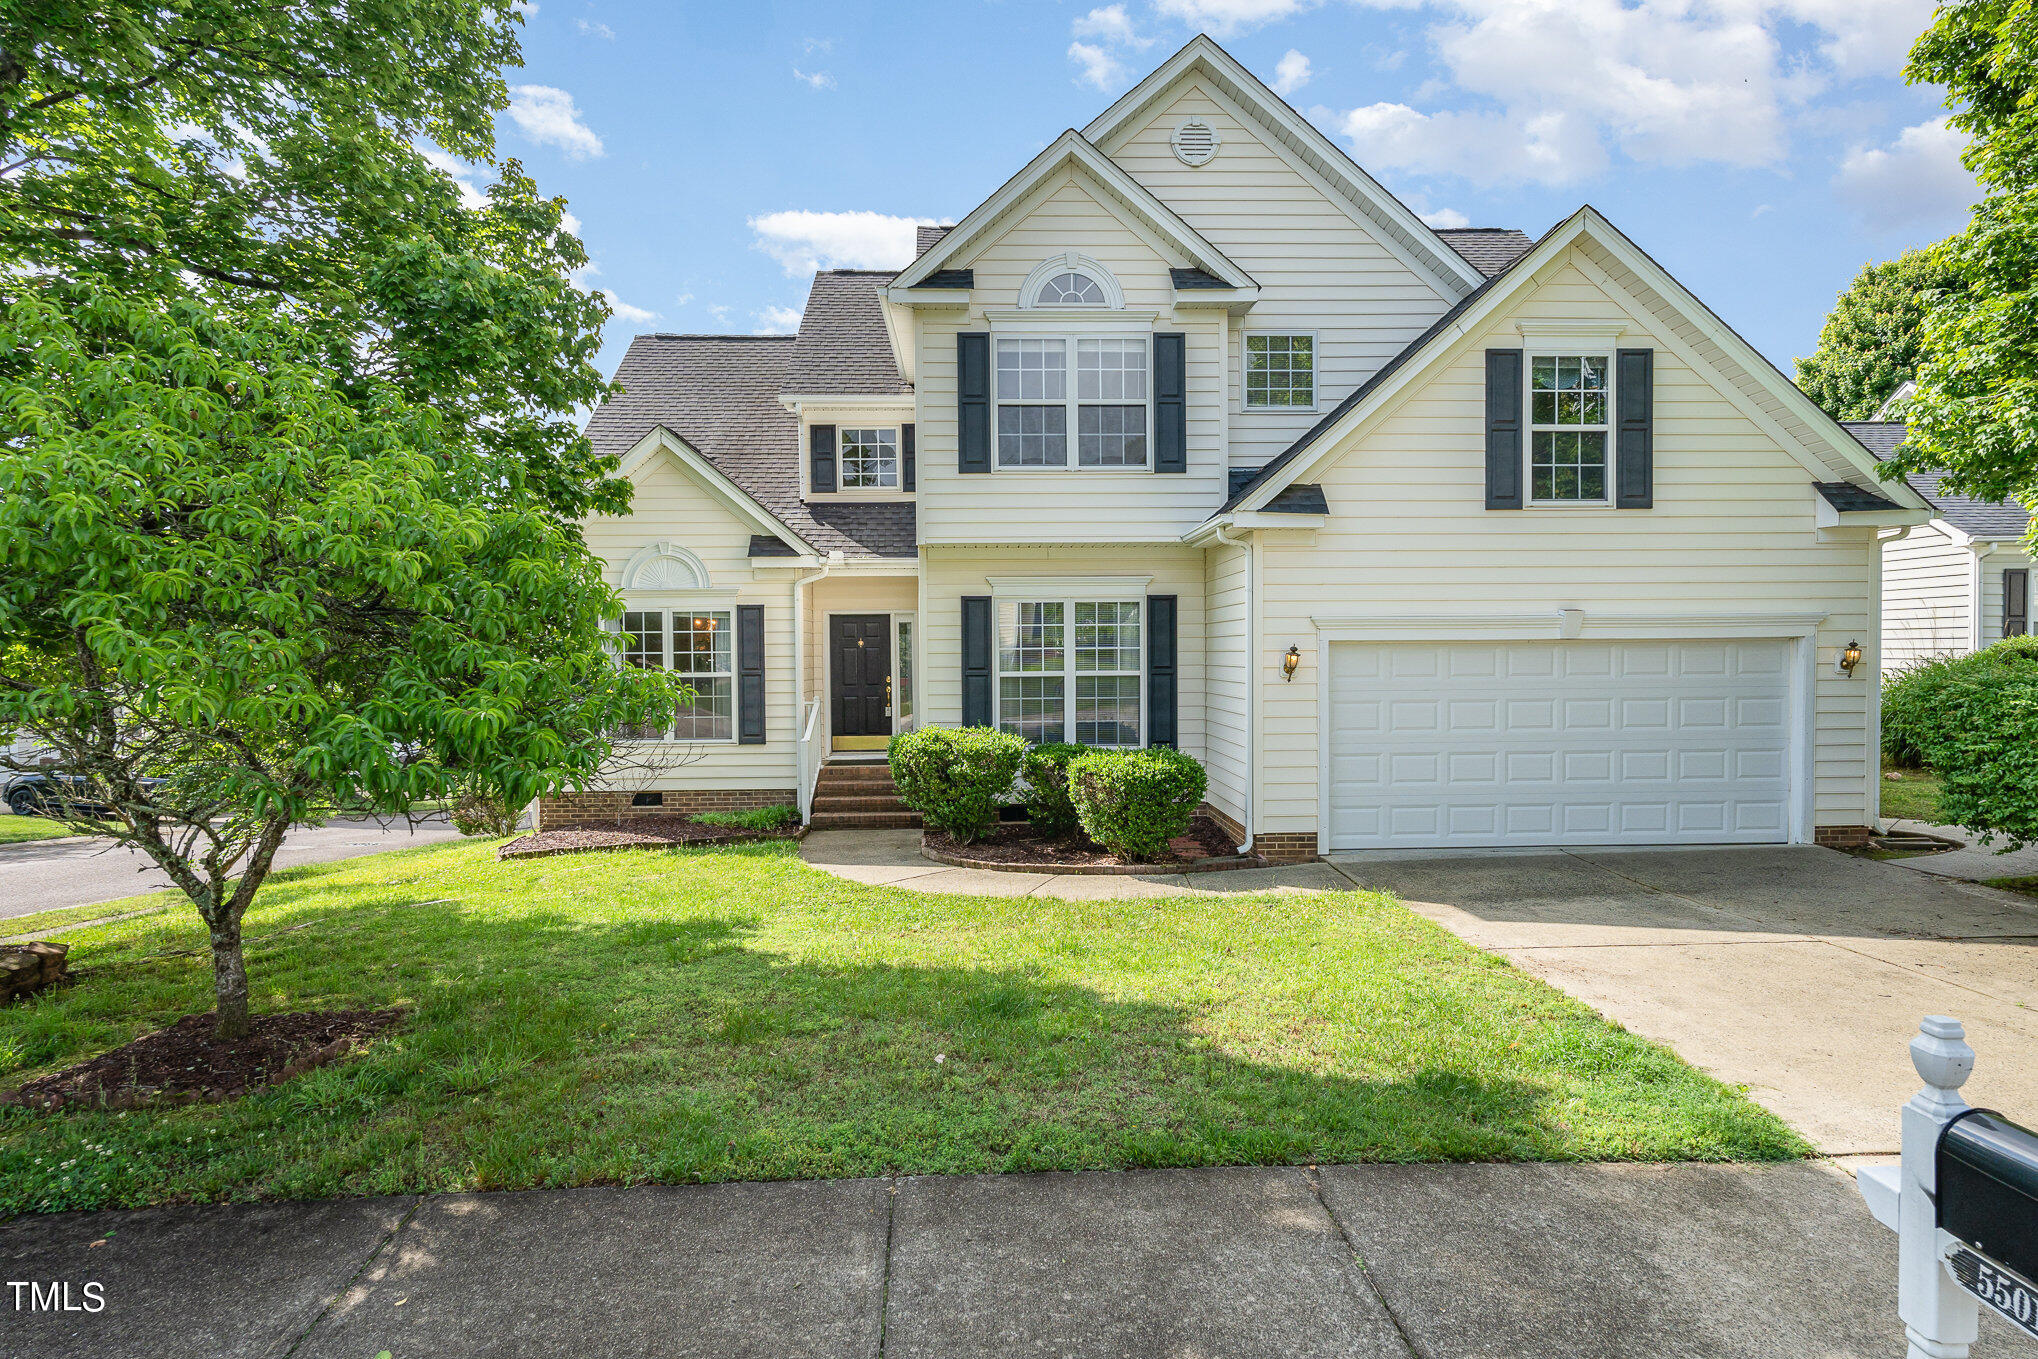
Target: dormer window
{"points": [[1070, 289]]}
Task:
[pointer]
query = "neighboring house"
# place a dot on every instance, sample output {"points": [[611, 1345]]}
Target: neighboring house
{"points": [[1956, 583], [1191, 434]]}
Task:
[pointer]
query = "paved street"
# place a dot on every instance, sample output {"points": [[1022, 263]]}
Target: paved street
{"points": [[44, 876], [1358, 1262], [1800, 973]]}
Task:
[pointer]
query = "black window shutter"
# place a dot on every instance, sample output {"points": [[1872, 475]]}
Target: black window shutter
{"points": [[1160, 670], [1503, 429], [906, 451], [1634, 459], [976, 660], [972, 402], [750, 674], [821, 463], [2017, 602], [1170, 403]]}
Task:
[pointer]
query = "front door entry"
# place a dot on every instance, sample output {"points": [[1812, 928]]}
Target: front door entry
{"points": [[860, 646]]}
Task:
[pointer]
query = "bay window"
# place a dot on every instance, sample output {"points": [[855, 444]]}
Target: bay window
{"points": [[698, 646], [1105, 401], [1071, 670]]}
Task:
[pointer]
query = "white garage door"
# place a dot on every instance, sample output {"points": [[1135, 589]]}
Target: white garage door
{"points": [[1558, 743]]}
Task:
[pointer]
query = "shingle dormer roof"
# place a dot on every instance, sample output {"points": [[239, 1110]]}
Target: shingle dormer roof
{"points": [[1487, 249], [925, 238], [843, 348]]}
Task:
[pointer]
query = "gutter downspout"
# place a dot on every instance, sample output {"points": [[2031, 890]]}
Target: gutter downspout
{"points": [[800, 585], [1252, 688], [1975, 593]]}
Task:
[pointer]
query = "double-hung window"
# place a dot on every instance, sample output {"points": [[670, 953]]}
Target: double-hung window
{"points": [[1569, 399], [1280, 372], [870, 459], [1046, 386], [698, 646], [1071, 670]]}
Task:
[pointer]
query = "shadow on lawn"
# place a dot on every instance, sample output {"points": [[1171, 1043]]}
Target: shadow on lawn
{"points": [[550, 1049]]}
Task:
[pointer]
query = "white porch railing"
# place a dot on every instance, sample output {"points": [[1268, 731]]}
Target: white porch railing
{"points": [[810, 759]]}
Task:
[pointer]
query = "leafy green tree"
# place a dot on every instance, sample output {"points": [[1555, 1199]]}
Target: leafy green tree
{"points": [[239, 595], [1870, 344], [289, 457], [1975, 412]]}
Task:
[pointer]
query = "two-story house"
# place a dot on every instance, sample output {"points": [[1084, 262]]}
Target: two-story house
{"points": [[1193, 434]]}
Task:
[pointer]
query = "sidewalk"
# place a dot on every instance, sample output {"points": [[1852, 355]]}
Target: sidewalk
{"points": [[1976, 863], [1361, 1262]]}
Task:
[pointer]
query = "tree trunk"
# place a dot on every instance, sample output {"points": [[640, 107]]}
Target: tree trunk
{"points": [[229, 982]]}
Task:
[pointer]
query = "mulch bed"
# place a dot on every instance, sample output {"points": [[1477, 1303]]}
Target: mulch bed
{"points": [[643, 832], [1205, 846], [188, 1064]]}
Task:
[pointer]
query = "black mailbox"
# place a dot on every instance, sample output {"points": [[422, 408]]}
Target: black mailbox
{"points": [[1988, 1188]]}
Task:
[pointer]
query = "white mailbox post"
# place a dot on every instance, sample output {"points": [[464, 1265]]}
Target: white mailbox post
{"points": [[1940, 1316]]}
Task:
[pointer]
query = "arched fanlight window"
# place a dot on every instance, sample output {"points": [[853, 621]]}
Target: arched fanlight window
{"points": [[1071, 289]]}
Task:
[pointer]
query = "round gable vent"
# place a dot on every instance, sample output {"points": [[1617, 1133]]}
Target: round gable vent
{"points": [[1195, 142]]}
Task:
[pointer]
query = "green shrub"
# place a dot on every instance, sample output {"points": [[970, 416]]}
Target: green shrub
{"points": [[1974, 720], [1046, 794], [490, 818], [1132, 802], [756, 819], [955, 777], [1907, 695]]}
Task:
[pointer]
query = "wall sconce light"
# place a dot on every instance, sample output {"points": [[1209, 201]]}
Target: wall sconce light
{"points": [[1850, 658], [1289, 662]]}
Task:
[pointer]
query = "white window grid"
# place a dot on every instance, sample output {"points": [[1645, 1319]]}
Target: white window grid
{"points": [[870, 459], [1570, 398], [1107, 403], [1072, 670], [1070, 289], [697, 645], [1280, 372]]}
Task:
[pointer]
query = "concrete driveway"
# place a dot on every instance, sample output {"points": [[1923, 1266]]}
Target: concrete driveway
{"points": [[1800, 973], [45, 875]]}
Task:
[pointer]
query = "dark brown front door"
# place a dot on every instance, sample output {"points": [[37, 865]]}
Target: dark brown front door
{"points": [[860, 646]]}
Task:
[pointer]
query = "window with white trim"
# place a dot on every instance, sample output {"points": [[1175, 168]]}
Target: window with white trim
{"points": [[698, 646], [1569, 398], [870, 459], [1070, 288], [1071, 670], [1280, 372], [1106, 402]]}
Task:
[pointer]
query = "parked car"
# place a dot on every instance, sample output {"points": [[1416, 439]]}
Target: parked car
{"points": [[41, 794]]}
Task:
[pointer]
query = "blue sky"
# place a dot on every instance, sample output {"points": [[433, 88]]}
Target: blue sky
{"points": [[714, 153]]}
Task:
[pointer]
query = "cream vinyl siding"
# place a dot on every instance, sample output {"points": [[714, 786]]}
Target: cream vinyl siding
{"points": [[850, 594], [1927, 586], [947, 574], [1733, 531], [2005, 557], [1010, 505], [670, 506], [1226, 702], [1318, 269]]}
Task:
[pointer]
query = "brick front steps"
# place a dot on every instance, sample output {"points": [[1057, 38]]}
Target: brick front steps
{"points": [[861, 794]]}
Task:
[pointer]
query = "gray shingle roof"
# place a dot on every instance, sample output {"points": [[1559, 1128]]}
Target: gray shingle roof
{"points": [[1978, 518], [842, 347], [1487, 249], [1196, 278], [1846, 497], [927, 237], [949, 278], [720, 394]]}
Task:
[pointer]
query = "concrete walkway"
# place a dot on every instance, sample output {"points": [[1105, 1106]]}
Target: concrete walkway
{"points": [[1976, 863], [892, 858], [1358, 1262], [1800, 973]]}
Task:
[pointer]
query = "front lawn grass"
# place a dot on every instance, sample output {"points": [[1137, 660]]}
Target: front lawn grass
{"points": [[16, 829], [1912, 797], [730, 1013]]}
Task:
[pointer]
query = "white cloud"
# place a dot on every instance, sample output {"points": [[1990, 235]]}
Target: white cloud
{"points": [[805, 241], [463, 175], [682, 299], [1917, 180], [1291, 73], [548, 117], [720, 311], [819, 80], [623, 311], [590, 28], [569, 224], [1486, 148], [820, 45], [1220, 18], [1101, 68], [524, 7], [1446, 218], [1761, 209], [777, 321], [1110, 24], [1861, 36]]}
